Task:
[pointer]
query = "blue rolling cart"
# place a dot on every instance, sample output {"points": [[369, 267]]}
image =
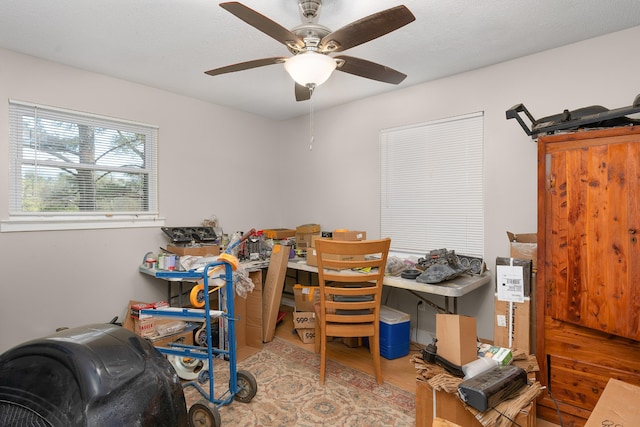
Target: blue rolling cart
{"points": [[242, 384]]}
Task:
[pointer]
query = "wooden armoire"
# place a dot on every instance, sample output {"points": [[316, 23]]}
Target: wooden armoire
{"points": [[588, 280]]}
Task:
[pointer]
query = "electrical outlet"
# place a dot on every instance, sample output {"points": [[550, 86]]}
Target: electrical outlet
{"points": [[422, 306]]}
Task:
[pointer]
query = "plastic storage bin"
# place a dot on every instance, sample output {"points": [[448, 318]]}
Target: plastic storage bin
{"points": [[395, 333]]}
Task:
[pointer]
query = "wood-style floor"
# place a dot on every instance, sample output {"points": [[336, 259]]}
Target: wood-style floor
{"points": [[399, 372]]}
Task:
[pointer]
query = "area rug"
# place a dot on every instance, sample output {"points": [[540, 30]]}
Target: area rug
{"points": [[289, 393]]}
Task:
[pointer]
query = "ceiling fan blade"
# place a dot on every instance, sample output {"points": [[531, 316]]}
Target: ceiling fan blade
{"points": [[264, 24], [246, 65], [367, 29], [370, 70], [303, 93]]}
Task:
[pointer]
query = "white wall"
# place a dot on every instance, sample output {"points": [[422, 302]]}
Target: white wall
{"points": [[341, 173], [213, 160], [70, 278]]}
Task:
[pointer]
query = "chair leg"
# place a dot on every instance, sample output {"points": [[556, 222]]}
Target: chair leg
{"points": [[374, 346], [323, 356], [316, 341]]}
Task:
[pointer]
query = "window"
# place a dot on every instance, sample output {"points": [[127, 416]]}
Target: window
{"points": [[76, 170], [432, 186]]}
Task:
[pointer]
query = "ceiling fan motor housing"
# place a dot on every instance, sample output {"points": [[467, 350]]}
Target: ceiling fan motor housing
{"points": [[310, 9]]}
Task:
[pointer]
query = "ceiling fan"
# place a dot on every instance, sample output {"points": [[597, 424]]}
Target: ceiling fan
{"points": [[311, 43]]}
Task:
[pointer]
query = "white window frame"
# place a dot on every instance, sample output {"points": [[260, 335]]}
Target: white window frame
{"points": [[432, 186], [20, 220]]}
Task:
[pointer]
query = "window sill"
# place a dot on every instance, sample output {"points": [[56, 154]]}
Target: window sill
{"points": [[44, 223]]}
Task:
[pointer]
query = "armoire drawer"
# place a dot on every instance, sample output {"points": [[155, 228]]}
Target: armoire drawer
{"points": [[579, 383]]}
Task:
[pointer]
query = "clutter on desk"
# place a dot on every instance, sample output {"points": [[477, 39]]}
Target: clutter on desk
{"points": [[440, 265], [437, 266], [396, 265]]}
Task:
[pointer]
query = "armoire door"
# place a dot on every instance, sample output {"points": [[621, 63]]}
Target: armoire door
{"points": [[592, 221]]}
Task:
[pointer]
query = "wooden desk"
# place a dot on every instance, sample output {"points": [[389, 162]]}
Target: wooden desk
{"points": [[451, 290]]}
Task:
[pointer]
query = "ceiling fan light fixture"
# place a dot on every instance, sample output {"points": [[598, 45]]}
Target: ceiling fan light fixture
{"points": [[310, 69]]}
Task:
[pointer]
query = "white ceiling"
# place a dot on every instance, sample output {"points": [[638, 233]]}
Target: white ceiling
{"points": [[168, 44]]}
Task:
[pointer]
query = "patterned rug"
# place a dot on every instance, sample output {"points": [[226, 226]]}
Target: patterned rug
{"points": [[289, 393]]}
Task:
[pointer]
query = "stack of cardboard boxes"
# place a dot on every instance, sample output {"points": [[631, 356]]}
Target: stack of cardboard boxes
{"points": [[514, 325], [304, 318]]}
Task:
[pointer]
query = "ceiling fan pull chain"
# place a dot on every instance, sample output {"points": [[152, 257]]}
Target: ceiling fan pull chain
{"points": [[311, 136]]}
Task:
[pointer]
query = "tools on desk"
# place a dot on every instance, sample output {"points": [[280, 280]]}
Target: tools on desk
{"points": [[216, 275]]}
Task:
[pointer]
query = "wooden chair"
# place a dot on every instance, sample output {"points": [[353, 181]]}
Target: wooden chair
{"points": [[349, 303]]}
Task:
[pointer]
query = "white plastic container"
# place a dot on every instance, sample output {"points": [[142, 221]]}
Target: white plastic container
{"points": [[478, 366]]}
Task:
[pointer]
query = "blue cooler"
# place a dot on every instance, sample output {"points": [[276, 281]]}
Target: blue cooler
{"points": [[395, 333]]}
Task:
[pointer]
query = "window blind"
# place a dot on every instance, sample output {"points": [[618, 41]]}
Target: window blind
{"points": [[70, 164], [432, 186]]}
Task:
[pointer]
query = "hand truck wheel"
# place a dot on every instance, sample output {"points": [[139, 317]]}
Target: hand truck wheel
{"points": [[204, 414], [200, 336], [247, 386]]}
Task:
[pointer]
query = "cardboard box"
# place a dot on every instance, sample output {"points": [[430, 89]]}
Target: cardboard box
{"points": [[248, 311], [512, 325], [312, 257], [304, 319], [524, 246], [303, 241], [307, 336], [316, 237], [305, 233], [204, 250], [308, 229], [617, 406], [350, 235], [145, 327], [272, 293], [457, 338], [278, 233], [440, 404], [134, 310], [305, 297]]}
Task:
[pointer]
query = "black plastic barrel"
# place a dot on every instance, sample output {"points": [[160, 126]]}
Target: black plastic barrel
{"points": [[96, 375]]}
